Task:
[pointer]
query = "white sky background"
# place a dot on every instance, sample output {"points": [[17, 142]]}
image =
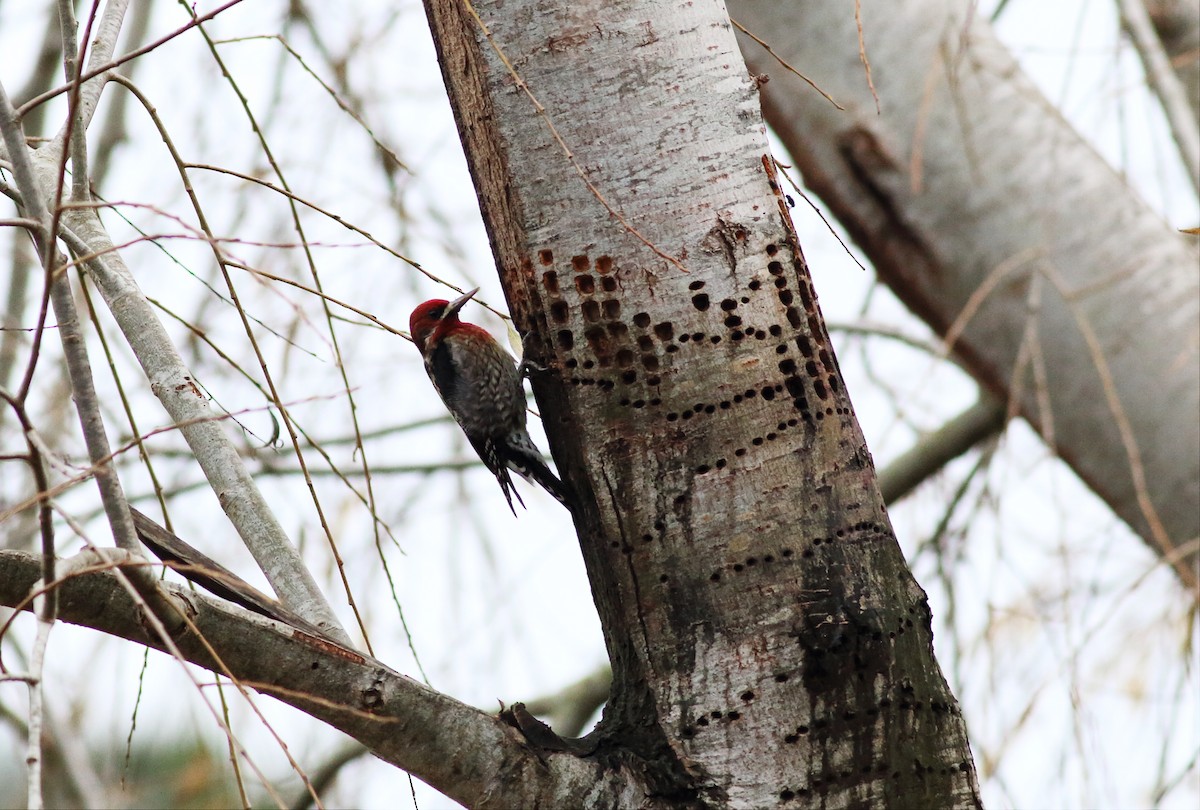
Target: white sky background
{"points": [[1063, 638]]}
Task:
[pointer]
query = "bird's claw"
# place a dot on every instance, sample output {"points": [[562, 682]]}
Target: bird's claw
{"points": [[527, 367]]}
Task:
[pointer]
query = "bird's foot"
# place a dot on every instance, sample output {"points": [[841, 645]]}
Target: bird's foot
{"points": [[527, 367]]}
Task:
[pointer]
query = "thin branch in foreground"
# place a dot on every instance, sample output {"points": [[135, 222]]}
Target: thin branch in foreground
{"points": [[46, 607], [786, 65], [96, 70]]}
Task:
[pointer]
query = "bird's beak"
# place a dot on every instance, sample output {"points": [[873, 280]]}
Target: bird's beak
{"points": [[454, 306]]}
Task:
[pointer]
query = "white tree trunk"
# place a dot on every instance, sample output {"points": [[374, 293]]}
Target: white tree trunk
{"points": [[767, 642], [992, 220]]}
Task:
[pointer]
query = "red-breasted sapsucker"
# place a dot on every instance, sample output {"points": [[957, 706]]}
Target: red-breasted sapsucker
{"points": [[481, 386]]}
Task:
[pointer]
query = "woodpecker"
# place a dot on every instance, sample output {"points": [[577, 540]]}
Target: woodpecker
{"points": [[481, 386]]}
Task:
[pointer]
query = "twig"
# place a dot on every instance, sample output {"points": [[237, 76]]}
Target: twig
{"points": [[1166, 85], [33, 458], [782, 169], [96, 70], [33, 743], [786, 66], [862, 54], [46, 608], [933, 452], [72, 68]]}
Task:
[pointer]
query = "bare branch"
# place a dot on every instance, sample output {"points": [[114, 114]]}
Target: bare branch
{"points": [[75, 349], [460, 750], [177, 390], [983, 419]]}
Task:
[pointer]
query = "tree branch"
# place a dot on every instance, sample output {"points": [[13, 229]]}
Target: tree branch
{"points": [[174, 386], [115, 506], [949, 193], [929, 455], [460, 750]]}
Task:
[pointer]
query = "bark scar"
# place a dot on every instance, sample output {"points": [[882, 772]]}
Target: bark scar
{"points": [[869, 160], [726, 237]]}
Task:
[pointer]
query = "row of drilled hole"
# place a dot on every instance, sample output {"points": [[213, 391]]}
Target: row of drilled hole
{"points": [[821, 725], [705, 720], [752, 561], [579, 263], [919, 769], [611, 310], [864, 527], [594, 311]]}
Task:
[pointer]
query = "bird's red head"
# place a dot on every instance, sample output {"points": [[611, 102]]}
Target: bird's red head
{"points": [[434, 317]]}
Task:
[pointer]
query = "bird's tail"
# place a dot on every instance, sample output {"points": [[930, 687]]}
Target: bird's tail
{"points": [[522, 457], [506, 486]]}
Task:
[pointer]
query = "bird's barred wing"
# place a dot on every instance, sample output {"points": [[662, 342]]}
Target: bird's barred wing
{"points": [[469, 371], [478, 382]]}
